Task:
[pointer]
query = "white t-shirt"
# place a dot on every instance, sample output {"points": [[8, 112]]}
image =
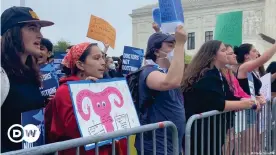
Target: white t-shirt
{"points": [[5, 85]]}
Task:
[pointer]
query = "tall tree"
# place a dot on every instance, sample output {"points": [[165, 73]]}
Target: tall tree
{"points": [[61, 46]]}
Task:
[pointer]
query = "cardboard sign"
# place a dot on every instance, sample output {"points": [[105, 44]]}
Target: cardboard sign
{"points": [[132, 59], [49, 80], [102, 107], [229, 28], [171, 15], [35, 117], [101, 30]]}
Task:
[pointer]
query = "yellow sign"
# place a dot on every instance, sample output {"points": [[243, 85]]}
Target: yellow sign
{"points": [[101, 30]]}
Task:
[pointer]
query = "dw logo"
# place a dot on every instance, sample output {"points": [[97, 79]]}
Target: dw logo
{"points": [[17, 133]]}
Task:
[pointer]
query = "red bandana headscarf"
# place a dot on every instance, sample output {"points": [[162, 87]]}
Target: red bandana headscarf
{"points": [[74, 55]]}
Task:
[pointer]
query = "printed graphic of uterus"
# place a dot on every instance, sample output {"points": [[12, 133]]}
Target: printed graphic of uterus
{"points": [[101, 105]]}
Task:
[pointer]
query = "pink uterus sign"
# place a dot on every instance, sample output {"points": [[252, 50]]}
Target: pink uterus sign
{"points": [[101, 105]]}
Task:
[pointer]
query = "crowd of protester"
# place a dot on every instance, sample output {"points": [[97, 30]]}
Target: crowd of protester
{"points": [[216, 79]]}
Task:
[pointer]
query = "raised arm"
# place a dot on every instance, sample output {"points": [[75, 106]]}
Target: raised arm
{"points": [[161, 81], [254, 64]]}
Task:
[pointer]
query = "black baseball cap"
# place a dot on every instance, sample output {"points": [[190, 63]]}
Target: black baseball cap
{"points": [[18, 15], [157, 39]]}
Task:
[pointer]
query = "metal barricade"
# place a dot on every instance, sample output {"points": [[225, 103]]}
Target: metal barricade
{"points": [[76, 143], [244, 132]]}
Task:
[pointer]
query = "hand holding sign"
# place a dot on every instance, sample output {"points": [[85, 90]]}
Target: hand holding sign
{"points": [[155, 27], [101, 30], [180, 35]]}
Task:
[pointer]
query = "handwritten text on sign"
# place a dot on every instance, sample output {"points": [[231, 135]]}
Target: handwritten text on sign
{"points": [[101, 30], [102, 107]]}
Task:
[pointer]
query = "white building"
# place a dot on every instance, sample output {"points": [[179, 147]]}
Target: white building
{"points": [[259, 16]]}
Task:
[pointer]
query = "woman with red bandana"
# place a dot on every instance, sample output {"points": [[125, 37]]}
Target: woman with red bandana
{"points": [[86, 61]]}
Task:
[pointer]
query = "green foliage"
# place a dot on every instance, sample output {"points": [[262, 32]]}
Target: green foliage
{"points": [[61, 46]]}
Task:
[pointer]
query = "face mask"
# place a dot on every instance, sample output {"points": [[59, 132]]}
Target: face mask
{"points": [[112, 66], [170, 56]]}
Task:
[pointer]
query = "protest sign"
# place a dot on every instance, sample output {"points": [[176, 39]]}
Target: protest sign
{"points": [[58, 57], [101, 30], [35, 117], [102, 107], [156, 16], [171, 15], [266, 91], [49, 80], [229, 28], [132, 59]]}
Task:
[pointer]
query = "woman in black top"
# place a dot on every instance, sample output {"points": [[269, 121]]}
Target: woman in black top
{"points": [[20, 49], [272, 69], [250, 61], [205, 89]]}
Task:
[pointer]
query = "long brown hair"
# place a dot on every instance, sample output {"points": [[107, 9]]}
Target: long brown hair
{"points": [[200, 64], [11, 45]]}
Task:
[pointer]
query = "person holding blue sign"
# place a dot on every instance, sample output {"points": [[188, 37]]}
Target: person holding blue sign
{"points": [[86, 62], [20, 49], [160, 79]]}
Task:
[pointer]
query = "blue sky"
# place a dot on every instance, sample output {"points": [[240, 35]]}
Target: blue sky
{"points": [[71, 18]]}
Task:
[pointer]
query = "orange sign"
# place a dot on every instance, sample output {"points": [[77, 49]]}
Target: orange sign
{"points": [[101, 30]]}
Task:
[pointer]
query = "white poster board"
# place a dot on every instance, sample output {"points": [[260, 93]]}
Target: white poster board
{"points": [[266, 91], [101, 107]]}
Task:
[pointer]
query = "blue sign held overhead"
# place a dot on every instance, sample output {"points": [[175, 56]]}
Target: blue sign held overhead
{"points": [[35, 117], [49, 80], [171, 14], [156, 16], [132, 59]]}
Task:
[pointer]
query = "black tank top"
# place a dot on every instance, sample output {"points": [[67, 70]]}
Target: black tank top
{"points": [[245, 86]]}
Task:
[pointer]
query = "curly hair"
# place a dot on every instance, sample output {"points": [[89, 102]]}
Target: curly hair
{"points": [[200, 64]]}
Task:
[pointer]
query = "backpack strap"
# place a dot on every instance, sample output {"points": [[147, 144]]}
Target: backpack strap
{"points": [[152, 93]]}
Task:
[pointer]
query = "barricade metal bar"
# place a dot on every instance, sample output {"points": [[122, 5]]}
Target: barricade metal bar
{"points": [[154, 141], [128, 144], [165, 142], [113, 147], [208, 141], [97, 148], [195, 148], [202, 136], [215, 142], [239, 135], [78, 151], [252, 132], [78, 142], [225, 127], [142, 143], [219, 132], [273, 125]]}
